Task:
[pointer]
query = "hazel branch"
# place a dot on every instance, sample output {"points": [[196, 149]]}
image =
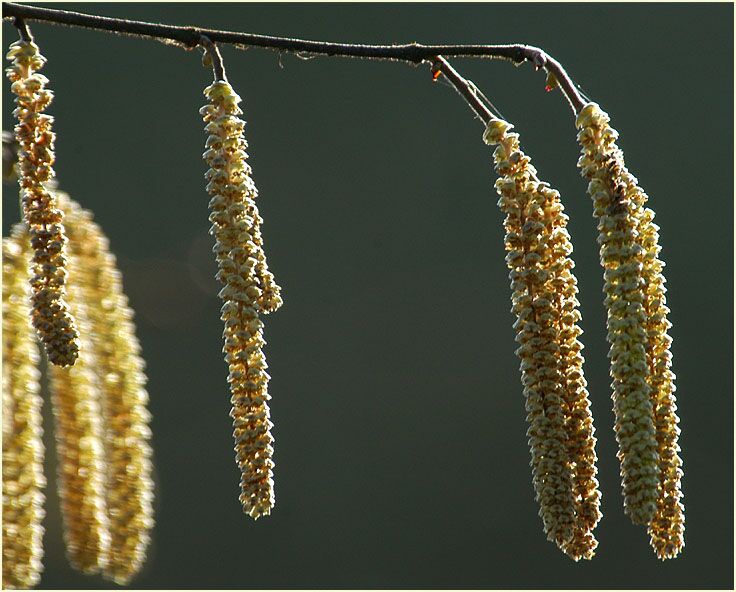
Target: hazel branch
{"points": [[411, 53]]}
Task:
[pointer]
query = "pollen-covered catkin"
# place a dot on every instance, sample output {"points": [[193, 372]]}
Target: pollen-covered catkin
{"points": [[667, 528], [128, 484], [50, 314], [578, 420], [75, 398], [23, 479], [643, 387], [545, 304], [248, 290]]}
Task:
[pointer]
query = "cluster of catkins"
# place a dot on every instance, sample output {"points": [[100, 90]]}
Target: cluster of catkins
{"points": [[57, 267], [643, 382], [249, 289], [71, 293], [545, 304]]}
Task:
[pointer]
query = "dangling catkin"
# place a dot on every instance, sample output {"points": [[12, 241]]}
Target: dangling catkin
{"points": [[128, 486], [667, 528], [23, 479], [643, 387], [50, 314], [249, 289], [75, 397], [544, 301]]}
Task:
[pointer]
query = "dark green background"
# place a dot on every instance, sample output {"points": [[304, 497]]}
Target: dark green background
{"points": [[401, 455]]}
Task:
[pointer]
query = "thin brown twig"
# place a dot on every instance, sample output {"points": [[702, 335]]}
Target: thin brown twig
{"points": [[465, 88], [412, 53], [23, 30], [214, 54]]}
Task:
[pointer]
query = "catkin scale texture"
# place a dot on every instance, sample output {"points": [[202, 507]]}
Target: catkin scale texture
{"points": [[50, 315], [545, 304], [22, 469], [128, 483], [249, 289], [643, 382]]}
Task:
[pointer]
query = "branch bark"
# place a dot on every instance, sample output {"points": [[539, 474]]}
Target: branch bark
{"points": [[411, 53]]}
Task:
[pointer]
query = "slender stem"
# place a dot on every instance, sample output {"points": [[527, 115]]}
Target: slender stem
{"points": [[214, 54], [23, 30], [412, 53], [465, 88]]}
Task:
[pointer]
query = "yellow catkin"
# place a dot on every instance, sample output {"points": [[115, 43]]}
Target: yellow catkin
{"points": [[644, 402], [667, 528], [22, 469], [75, 397], [249, 290], [128, 487], [544, 300], [50, 314]]}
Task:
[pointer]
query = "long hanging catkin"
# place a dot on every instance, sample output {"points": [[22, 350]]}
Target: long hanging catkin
{"points": [[75, 398], [544, 301], [128, 484], [23, 479], [50, 314], [249, 290], [667, 528], [643, 385]]}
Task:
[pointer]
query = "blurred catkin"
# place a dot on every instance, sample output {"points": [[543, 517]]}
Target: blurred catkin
{"points": [[50, 314], [643, 382], [128, 484], [248, 290], [10, 158], [75, 398], [22, 469], [545, 304]]}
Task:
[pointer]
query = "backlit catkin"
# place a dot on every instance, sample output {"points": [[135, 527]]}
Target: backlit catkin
{"points": [[23, 479], [128, 484], [249, 290], [667, 529], [75, 397], [544, 301], [643, 386], [50, 314]]}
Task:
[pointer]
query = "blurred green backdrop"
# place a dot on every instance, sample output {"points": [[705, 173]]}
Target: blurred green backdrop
{"points": [[401, 455]]}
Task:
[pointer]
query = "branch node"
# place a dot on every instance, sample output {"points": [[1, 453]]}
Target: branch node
{"points": [[23, 30], [195, 36], [436, 70], [538, 58]]}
